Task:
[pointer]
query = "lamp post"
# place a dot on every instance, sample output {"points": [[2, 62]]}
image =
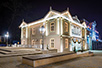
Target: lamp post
{"points": [[42, 30], [7, 35]]}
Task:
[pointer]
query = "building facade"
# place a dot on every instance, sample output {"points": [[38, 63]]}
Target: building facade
{"points": [[62, 32], [93, 39]]}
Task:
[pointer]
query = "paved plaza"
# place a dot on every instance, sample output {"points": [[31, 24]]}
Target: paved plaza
{"points": [[84, 62]]}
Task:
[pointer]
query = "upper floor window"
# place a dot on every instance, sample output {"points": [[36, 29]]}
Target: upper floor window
{"points": [[83, 32], [66, 27], [52, 42], [33, 31], [24, 32], [52, 26], [66, 43]]}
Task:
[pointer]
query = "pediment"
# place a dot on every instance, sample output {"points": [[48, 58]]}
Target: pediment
{"points": [[52, 14], [67, 15], [23, 24], [84, 24]]}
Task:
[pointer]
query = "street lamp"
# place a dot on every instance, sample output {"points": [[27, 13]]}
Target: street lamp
{"points": [[7, 35], [42, 30]]}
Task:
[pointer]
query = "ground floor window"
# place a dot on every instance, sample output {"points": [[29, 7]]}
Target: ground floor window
{"points": [[66, 43], [33, 42], [41, 41], [83, 44], [52, 42], [23, 42]]}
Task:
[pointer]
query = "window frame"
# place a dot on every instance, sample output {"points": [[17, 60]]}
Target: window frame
{"points": [[41, 41], [24, 32], [33, 42], [51, 43], [51, 26], [33, 31], [66, 43], [66, 27], [24, 42]]}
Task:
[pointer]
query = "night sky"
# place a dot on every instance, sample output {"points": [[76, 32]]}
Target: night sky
{"points": [[13, 11]]}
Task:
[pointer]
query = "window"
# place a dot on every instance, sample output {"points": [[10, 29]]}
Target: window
{"points": [[52, 43], [33, 42], [40, 41], [66, 43], [33, 31], [66, 27], [52, 26], [24, 32], [23, 42], [83, 32]]}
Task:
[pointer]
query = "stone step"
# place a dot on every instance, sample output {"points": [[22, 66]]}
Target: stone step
{"points": [[5, 50]]}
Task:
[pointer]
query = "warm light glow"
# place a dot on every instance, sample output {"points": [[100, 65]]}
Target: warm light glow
{"points": [[66, 26], [26, 32], [58, 26], [57, 15], [46, 29], [61, 27], [66, 43], [61, 48]]}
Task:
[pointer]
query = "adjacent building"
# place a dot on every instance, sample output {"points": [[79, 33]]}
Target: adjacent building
{"points": [[93, 39], [62, 32]]}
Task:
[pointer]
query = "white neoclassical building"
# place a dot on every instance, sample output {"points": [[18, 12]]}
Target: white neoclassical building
{"points": [[62, 32]]}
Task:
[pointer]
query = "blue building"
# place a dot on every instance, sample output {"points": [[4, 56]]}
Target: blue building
{"points": [[93, 40]]}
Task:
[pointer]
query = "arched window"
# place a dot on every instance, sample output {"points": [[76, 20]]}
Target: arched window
{"points": [[24, 32], [52, 26], [33, 31], [66, 27], [66, 43], [52, 42], [40, 41], [33, 42], [23, 42]]}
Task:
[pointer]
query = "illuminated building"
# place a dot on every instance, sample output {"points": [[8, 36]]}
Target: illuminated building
{"points": [[92, 35], [63, 32]]}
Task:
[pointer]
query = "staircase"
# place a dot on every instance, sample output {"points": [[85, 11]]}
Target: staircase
{"points": [[4, 51]]}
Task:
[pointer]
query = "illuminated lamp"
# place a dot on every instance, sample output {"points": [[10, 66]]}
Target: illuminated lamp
{"points": [[76, 40]]}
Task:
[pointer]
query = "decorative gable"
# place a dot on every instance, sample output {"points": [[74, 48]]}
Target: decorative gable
{"points": [[75, 18], [84, 24], [67, 15], [23, 24], [52, 14]]}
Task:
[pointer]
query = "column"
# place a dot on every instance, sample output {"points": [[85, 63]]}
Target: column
{"points": [[58, 26]]}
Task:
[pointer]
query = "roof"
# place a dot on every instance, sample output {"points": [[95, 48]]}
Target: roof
{"points": [[54, 14]]}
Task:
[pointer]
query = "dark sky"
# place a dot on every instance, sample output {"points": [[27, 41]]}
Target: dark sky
{"points": [[13, 11]]}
